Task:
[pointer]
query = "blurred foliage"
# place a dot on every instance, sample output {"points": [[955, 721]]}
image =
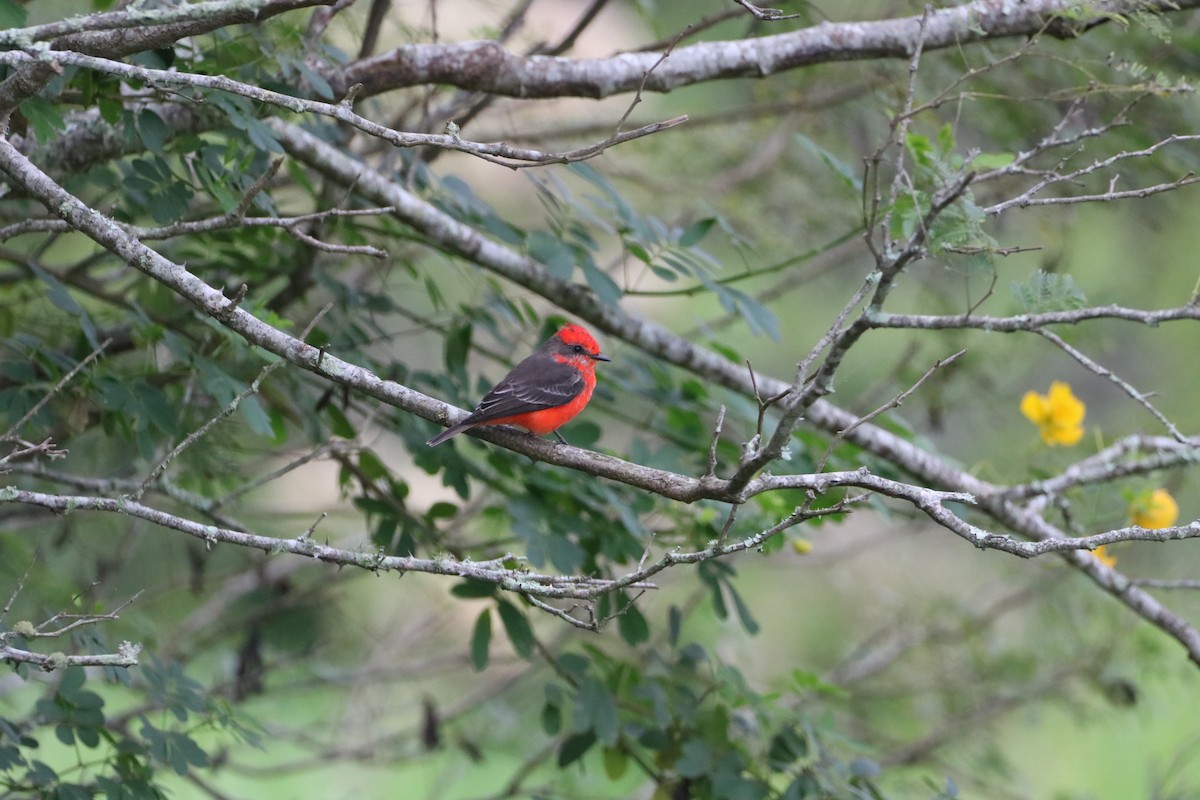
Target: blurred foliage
{"points": [[696, 231]]}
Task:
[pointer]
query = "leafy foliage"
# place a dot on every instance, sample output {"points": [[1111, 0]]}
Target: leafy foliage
{"points": [[114, 759], [145, 399], [1048, 291]]}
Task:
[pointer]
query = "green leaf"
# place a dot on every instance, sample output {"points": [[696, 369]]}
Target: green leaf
{"points": [[615, 762], [664, 273], [153, 130], [472, 589], [481, 639], [372, 466], [583, 434], [40, 774], [158, 410], [759, 318], [71, 791], [72, 681], [850, 176], [786, 747], [729, 786], [598, 710], [315, 80], [574, 748], [674, 625], [170, 202], [551, 719], [641, 254], [518, 629], [605, 287], [574, 664], [743, 611], [728, 352], [806, 681], [632, 626], [553, 252], [945, 140], [12, 15], [185, 753], [563, 553], [696, 232], [907, 212], [60, 296], [457, 348], [339, 425], [443, 510], [1049, 291], [256, 418], [718, 601], [216, 381], [921, 148], [44, 117], [695, 759], [806, 786]]}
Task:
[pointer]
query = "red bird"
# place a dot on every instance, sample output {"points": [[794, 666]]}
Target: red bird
{"points": [[543, 392]]}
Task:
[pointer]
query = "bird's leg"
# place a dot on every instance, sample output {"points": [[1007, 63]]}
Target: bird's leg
{"points": [[560, 438]]}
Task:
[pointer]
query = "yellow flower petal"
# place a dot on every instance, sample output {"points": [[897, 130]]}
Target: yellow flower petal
{"points": [[1154, 510], [1104, 557], [1058, 415], [1035, 407], [1067, 434], [1065, 408]]}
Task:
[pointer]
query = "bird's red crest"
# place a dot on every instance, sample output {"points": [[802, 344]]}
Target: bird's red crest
{"points": [[576, 334]]}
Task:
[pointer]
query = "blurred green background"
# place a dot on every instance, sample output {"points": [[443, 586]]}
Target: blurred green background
{"points": [[1014, 679]]}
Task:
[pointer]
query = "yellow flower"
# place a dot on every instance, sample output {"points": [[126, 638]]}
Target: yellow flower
{"points": [[1058, 415], [1104, 557], [1156, 509]]}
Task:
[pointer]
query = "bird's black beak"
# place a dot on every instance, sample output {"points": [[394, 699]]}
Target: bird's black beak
{"points": [[600, 357]]}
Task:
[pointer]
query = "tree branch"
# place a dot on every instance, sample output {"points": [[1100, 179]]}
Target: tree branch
{"points": [[497, 152], [485, 66]]}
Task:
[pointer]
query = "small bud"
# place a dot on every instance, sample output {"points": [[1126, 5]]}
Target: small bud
{"points": [[802, 546]]}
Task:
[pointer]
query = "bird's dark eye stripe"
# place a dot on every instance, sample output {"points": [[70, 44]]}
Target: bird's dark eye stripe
{"points": [[578, 348]]}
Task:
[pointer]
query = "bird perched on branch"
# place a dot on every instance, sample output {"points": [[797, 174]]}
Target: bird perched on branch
{"points": [[542, 393]]}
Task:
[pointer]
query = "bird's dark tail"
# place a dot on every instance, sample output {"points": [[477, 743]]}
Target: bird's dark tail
{"points": [[453, 430]]}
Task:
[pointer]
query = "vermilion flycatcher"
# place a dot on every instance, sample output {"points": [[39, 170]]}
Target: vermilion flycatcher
{"points": [[543, 392]]}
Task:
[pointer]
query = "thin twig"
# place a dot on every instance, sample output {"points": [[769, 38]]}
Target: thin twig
{"points": [[12, 598], [328, 247], [765, 14], [256, 188], [895, 402], [588, 625], [733, 509], [1104, 372], [711, 469], [1166, 583]]}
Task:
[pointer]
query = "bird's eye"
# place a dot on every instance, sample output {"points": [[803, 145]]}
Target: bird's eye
{"points": [[578, 348]]}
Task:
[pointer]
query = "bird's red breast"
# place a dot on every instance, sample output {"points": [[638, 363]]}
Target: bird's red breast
{"points": [[543, 392]]}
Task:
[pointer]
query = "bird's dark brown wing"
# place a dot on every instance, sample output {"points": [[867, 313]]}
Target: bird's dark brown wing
{"points": [[533, 384]]}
